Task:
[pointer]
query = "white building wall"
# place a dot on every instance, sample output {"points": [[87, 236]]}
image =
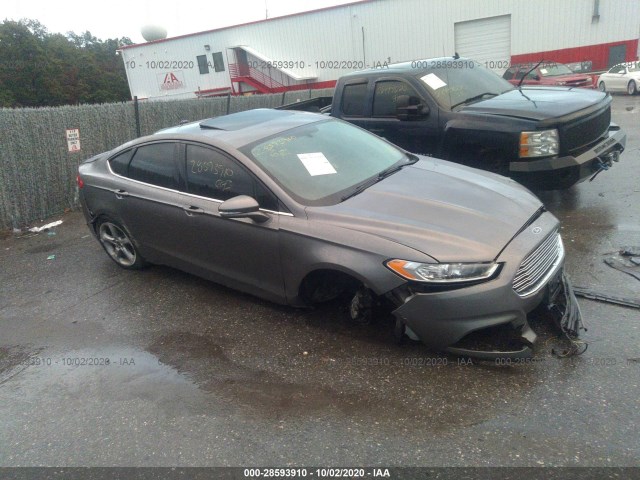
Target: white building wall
{"points": [[394, 30]]}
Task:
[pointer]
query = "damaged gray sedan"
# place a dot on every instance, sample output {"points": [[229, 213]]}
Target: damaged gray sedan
{"points": [[299, 208]]}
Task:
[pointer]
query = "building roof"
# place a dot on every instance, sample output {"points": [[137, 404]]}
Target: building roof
{"points": [[308, 12]]}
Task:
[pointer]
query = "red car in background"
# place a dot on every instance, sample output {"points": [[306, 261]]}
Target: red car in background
{"points": [[547, 73]]}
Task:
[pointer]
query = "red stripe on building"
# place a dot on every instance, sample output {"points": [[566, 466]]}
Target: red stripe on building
{"points": [[598, 54]]}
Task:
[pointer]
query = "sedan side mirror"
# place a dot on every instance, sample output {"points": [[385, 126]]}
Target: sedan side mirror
{"points": [[242, 206], [410, 108]]}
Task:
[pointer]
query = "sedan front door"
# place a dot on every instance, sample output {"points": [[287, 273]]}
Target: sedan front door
{"points": [[239, 252]]}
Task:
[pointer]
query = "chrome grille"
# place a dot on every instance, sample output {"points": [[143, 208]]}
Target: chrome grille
{"points": [[535, 269]]}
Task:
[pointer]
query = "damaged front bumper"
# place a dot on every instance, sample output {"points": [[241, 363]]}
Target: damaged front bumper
{"points": [[562, 172], [440, 319]]}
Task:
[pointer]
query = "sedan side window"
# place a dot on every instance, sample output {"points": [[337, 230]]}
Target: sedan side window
{"points": [[214, 175], [155, 164]]}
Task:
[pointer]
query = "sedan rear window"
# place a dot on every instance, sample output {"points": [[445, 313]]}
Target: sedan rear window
{"points": [[120, 163], [155, 164]]}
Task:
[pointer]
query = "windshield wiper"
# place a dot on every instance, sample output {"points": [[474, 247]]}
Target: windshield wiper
{"points": [[476, 97], [411, 159], [528, 72]]}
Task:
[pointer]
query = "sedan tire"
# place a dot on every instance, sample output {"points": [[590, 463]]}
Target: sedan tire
{"points": [[118, 244], [631, 88], [601, 87]]}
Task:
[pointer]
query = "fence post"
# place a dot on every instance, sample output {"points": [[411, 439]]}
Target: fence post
{"points": [[137, 115]]}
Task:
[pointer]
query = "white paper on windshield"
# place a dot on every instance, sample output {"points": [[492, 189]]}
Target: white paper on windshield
{"points": [[316, 164], [544, 71], [433, 81]]}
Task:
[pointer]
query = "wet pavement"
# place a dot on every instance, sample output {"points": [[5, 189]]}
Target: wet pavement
{"points": [[101, 366]]}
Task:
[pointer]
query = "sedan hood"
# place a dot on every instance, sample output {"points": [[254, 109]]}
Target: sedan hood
{"points": [[537, 103], [447, 211]]}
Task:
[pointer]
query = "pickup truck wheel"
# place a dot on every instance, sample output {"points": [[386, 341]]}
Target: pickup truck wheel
{"points": [[601, 87], [631, 88]]}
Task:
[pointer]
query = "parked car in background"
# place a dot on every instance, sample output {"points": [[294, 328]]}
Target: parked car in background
{"points": [[547, 73], [301, 208], [585, 66], [624, 77]]}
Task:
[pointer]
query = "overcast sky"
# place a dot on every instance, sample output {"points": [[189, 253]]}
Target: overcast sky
{"points": [[124, 18]]}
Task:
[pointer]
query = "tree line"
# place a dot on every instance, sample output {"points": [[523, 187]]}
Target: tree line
{"points": [[39, 68]]}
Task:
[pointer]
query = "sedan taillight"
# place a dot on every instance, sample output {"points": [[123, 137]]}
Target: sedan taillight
{"points": [[79, 181]]}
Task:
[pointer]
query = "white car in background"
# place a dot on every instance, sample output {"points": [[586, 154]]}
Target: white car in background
{"points": [[624, 77]]}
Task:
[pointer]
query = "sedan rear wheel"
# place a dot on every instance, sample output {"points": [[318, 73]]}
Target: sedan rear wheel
{"points": [[119, 245], [631, 88], [602, 87]]}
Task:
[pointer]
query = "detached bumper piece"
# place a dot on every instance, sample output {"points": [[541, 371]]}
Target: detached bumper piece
{"points": [[568, 316]]}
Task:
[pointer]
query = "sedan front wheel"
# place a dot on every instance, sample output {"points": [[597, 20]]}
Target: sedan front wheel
{"points": [[631, 88], [602, 87], [119, 245]]}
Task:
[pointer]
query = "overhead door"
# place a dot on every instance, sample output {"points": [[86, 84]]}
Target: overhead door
{"points": [[487, 40]]}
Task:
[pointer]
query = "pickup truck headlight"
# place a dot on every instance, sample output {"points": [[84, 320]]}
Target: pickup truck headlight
{"points": [[442, 272], [539, 144]]}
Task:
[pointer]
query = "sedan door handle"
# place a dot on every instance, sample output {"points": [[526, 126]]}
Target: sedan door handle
{"points": [[120, 194], [191, 209]]}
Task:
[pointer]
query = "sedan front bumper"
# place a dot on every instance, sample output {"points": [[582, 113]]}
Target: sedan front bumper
{"points": [[440, 319]]}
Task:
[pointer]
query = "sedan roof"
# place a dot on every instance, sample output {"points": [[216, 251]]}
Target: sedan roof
{"points": [[237, 129]]}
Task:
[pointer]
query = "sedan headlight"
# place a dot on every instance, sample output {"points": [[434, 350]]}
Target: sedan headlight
{"points": [[442, 272], [539, 144]]}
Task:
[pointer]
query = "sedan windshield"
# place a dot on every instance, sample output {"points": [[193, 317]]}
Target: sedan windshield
{"points": [[462, 82], [321, 163]]}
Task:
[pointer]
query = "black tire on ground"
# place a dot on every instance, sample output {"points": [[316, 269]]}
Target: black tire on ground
{"points": [[601, 87], [631, 88]]}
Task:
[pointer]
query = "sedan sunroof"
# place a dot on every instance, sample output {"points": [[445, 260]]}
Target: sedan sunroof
{"points": [[237, 121]]}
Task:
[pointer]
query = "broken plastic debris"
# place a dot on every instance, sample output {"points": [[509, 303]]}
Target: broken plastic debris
{"points": [[613, 262], [606, 297], [630, 251], [45, 227], [51, 257]]}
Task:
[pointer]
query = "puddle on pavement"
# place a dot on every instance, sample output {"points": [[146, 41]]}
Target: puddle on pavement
{"points": [[205, 362], [418, 388]]}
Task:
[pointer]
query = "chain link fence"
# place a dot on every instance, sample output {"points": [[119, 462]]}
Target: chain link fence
{"points": [[37, 170]]}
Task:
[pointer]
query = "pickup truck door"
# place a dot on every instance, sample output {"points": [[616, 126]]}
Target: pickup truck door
{"points": [[416, 131]]}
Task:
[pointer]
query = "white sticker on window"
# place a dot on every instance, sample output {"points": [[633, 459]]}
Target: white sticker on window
{"points": [[433, 81], [316, 164], [544, 71]]}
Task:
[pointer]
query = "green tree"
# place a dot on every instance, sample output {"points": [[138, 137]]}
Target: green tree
{"points": [[38, 68]]}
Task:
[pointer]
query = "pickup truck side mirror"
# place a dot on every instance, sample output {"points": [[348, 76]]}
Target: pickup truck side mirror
{"points": [[410, 108]]}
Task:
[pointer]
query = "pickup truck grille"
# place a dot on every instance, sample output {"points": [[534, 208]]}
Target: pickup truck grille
{"points": [[535, 269], [585, 131]]}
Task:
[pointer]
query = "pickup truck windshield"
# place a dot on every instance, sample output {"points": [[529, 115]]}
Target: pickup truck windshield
{"points": [[453, 87], [320, 163]]}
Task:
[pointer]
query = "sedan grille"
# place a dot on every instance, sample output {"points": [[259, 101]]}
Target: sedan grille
{"points": [[535, 269]]}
